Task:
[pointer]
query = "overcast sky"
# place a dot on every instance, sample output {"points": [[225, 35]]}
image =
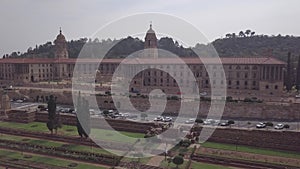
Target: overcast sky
{"points": [[25, 23]]}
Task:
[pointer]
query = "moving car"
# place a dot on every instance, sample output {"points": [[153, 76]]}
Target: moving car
{"points": [[261, 125]]}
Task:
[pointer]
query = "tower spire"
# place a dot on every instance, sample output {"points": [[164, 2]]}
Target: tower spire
{"points": [[60, 30], [150, 24]]}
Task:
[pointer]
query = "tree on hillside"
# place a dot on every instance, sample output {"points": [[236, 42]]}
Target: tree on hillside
{"points": [[233, 35], [252, 33], [298, 75], [289, 72], [53, 118], [241, 34], [228, 35], [248, 32]]}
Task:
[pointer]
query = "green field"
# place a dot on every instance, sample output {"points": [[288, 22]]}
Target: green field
{"points": [[46, 160], [253, 150], [72, 131]]}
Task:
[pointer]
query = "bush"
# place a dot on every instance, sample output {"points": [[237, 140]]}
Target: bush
{"points": [[178, 160], [185, 143]]}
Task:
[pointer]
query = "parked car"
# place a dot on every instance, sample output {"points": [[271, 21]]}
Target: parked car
{"points": [[190, 121], [261, 125], [208, 122], [167, 119], [297, 96], [19, 101], [226, 123], [279, 126], [159, 118]]}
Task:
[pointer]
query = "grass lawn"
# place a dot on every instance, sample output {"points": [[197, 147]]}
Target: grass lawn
{"points": [[165, 164], [47, 160], [72, 131], [198, 165], [249, 149], [109, 135]]}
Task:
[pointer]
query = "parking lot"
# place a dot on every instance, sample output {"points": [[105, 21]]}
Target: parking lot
{"points": [[245, 124]]}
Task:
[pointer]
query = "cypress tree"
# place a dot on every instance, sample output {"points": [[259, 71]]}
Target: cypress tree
{"points": [[51, 124], [83, 117]]}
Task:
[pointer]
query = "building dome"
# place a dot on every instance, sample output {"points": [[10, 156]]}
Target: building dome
{"points": [[150, 30], [60, 46], [150, 39], [60, 37]]}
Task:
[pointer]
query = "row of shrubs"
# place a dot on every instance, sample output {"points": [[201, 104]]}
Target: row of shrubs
{"points": [[60, 151]]}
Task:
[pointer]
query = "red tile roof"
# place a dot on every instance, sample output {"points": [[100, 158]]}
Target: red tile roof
{"points": [[232, 60]]}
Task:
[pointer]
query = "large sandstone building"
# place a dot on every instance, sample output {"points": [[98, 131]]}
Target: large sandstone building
{"points": [[263, 74]]}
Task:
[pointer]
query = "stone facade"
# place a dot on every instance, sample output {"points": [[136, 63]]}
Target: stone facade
{"points": [[264, 73]]}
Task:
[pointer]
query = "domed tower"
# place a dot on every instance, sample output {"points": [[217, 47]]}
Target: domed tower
{"points": [[150, 45], [61, 51]]}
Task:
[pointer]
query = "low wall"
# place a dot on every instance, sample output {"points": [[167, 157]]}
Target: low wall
{"points": [[21, 116], [284, 140]]}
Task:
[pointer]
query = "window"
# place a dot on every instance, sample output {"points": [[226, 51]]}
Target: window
{"points": [[246, 83], [254, 83], [229, 82], [238, 67], [276, 87], [237, 82], [267, 86]]}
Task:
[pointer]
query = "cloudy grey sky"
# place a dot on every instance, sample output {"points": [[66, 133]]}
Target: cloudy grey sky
{"points": [[25, 23]]}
